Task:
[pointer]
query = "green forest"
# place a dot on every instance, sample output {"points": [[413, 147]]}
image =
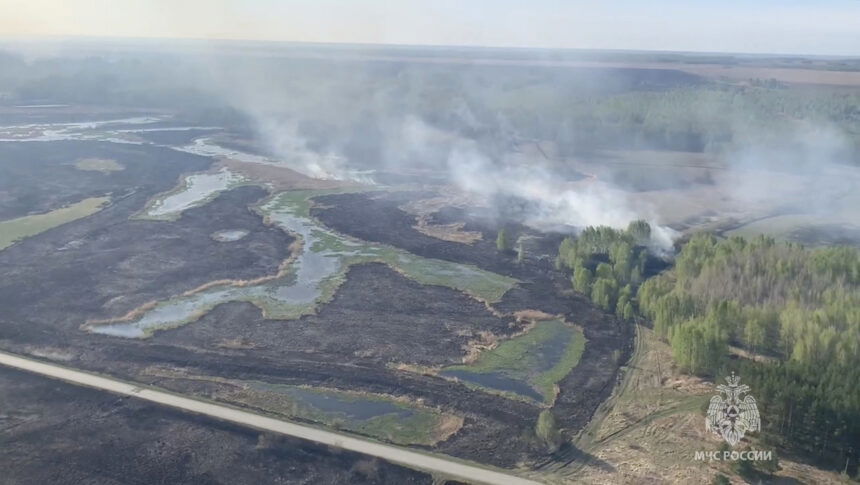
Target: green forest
{"points": [[608, 265], [793, 311]]}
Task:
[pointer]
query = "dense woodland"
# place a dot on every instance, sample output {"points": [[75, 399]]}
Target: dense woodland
{"points": [[793, 311], [608, 265]]}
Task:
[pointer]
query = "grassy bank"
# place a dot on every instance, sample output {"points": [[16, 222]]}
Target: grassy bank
{"points": [[14, 230]]}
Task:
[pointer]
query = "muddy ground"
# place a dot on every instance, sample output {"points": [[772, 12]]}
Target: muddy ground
{"points": [[63, 434]]}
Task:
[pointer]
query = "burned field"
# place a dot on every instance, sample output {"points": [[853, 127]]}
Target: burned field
{"points": [[37, 177], [322, 306], [107, 264], [58, 433], [376, 316], [379, 217]]}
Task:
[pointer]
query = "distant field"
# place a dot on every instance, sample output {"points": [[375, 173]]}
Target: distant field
{"points": [[812, 230], [740, 73], [14, 230], [792, 75]]}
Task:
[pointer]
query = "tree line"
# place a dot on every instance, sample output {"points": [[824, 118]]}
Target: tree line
{"points": [[795, 309], [608, 265]]}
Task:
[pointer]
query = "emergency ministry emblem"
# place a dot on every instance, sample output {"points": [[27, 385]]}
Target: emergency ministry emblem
{"points": [[730, 415]]}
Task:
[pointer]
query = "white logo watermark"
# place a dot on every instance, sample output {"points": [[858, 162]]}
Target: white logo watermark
{"points": [[749, 455], [730, 415]]}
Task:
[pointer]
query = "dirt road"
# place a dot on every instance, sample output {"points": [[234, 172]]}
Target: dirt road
{"points": [[446, 467]]}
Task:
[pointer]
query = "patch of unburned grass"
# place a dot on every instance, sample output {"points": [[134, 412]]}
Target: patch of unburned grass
{"points": [[103, 165], [523, 357], [14, 230], [478, 283], [422, 428], [402, 420], [408, 423]]}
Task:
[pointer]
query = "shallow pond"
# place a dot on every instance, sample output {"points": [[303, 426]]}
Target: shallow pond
{"points": [[229, 235], [495, 380], [527, 364], [353, 407], [198, 189], [87, 130]]}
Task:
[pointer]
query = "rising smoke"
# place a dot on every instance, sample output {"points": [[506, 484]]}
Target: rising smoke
{"points": [[553, 204], [358, 121], [486, 166]]}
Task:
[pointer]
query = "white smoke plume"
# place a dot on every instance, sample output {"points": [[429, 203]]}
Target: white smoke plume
{"points": [[282, 139], [554, 202]]}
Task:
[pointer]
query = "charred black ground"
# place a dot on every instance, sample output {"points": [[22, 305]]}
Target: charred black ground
{"points": [[377, 316], [39, 177], [110, 263], [377, 319], [106, 265], [379, 218], [58, 433]]}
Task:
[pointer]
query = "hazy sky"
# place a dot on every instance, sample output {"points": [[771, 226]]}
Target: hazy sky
{"points": [[769, 26]]}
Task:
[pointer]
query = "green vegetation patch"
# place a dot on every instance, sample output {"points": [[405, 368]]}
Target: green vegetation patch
{"points": [[103, 165], [612, 286], [540, 357], [14, 230]]}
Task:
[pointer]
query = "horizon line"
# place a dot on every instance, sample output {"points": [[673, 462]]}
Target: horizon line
{"points": [[477, 47]]}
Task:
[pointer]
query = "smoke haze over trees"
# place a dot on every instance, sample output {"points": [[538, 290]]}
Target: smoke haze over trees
{"points": [[466, 123]]}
